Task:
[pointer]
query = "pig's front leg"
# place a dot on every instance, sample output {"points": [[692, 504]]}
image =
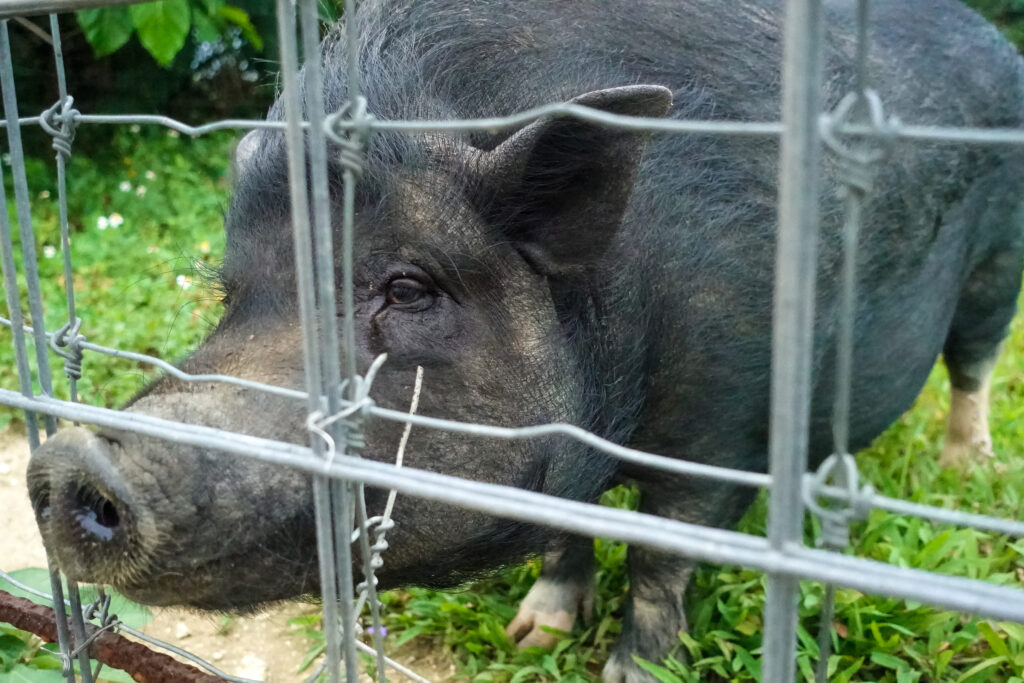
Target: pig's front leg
{"points": [[564, 589], [655, 611]]}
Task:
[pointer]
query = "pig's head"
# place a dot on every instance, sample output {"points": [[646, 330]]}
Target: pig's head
{"points": [[473, 259]]}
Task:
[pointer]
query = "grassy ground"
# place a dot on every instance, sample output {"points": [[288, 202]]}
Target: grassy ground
{"points": [[136, 253], [878, 639], [146, 213]]}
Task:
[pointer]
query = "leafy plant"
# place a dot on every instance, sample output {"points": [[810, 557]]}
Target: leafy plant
{"points": [[874, 638], [26, 658], [147, 231], [163, 26]]}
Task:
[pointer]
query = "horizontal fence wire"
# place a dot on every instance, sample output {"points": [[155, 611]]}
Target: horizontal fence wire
{"points": [[703, 543], [660, 462], [894, 131]]}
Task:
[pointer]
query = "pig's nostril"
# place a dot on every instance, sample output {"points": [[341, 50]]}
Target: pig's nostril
{"points": [[41, 503], [95, 514]]}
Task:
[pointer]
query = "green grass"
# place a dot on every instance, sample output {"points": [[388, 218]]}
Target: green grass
{"points": [[884, 640], [129, 288], [138, 279]]}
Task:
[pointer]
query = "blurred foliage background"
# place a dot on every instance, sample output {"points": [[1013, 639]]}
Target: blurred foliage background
{"points": [[202, 59]]}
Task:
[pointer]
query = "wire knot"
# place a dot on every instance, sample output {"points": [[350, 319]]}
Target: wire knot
{"points": [[350, 128], [351, 416], [61, 122], [69, 338], [100, 609], [853, 503], [856, 163]]}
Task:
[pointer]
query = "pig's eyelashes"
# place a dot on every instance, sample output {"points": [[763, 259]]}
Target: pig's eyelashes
{"points": [[407, 294]]}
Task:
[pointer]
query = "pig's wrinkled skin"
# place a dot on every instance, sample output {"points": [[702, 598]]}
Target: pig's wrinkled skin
{"points": [[563, 272]]}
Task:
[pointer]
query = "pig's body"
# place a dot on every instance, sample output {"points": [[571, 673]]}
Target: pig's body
{"points": [[565, 272]]}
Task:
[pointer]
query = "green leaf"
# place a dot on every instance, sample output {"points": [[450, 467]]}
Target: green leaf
{"points": [[11, 648], [162, 27], [240, 18], [846, 674], [38, 579], [130, 613], [106, 29], [24, 674], [409, 634], [109, 675], [978, 668], [888, 661], [748, 661], [1015, 631], [206, 30], [311, 656], [659, 672], [211, 6], [907, 676], [994, 641]]}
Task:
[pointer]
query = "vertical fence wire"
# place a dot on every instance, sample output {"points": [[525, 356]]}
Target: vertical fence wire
{"points": [[63, 137], [793, 318], [30, 264], [834, 534], [24, 213], [307, 313], [340, 493], [352, 158], [11, 292], [62, 146]]}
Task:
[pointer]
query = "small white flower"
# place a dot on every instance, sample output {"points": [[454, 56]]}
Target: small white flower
{"points": [[125, 186], [102, 222], [150, 175], [184, 281], [49, 251], [141, 190], [134, 128], [45, 194], [116, 220]]}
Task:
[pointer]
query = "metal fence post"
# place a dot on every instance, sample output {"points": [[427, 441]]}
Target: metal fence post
{"points": [[793, 334]]}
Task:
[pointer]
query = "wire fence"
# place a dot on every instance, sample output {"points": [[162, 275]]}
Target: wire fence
{"points": [[338, 400]]}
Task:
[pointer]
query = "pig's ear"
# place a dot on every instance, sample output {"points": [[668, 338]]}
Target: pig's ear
{"points": [[561, 184], [245, 150]]}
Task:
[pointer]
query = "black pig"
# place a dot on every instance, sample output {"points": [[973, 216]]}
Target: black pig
{"points": [[566, 272]]}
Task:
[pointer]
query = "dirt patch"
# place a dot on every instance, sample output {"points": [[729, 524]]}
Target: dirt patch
{"points": [[261, 647]]}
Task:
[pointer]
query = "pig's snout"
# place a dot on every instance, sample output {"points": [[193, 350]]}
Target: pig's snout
{"points": [[82, 504]]}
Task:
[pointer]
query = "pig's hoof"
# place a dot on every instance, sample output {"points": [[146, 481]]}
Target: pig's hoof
{"points": [[550, 604], [963, 454], [622, 669]]}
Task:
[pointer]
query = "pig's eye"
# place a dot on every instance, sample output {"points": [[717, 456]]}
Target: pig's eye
{"points": [[404, 292]]}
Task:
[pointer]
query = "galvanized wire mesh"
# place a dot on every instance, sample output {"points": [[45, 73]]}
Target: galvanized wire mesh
{"points": [[338, 400]]}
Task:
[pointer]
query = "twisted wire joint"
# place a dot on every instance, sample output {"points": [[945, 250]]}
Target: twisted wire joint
{"points": [[836, 517], [69, 338], [61, 122], [856, 162], [350, 128]]}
